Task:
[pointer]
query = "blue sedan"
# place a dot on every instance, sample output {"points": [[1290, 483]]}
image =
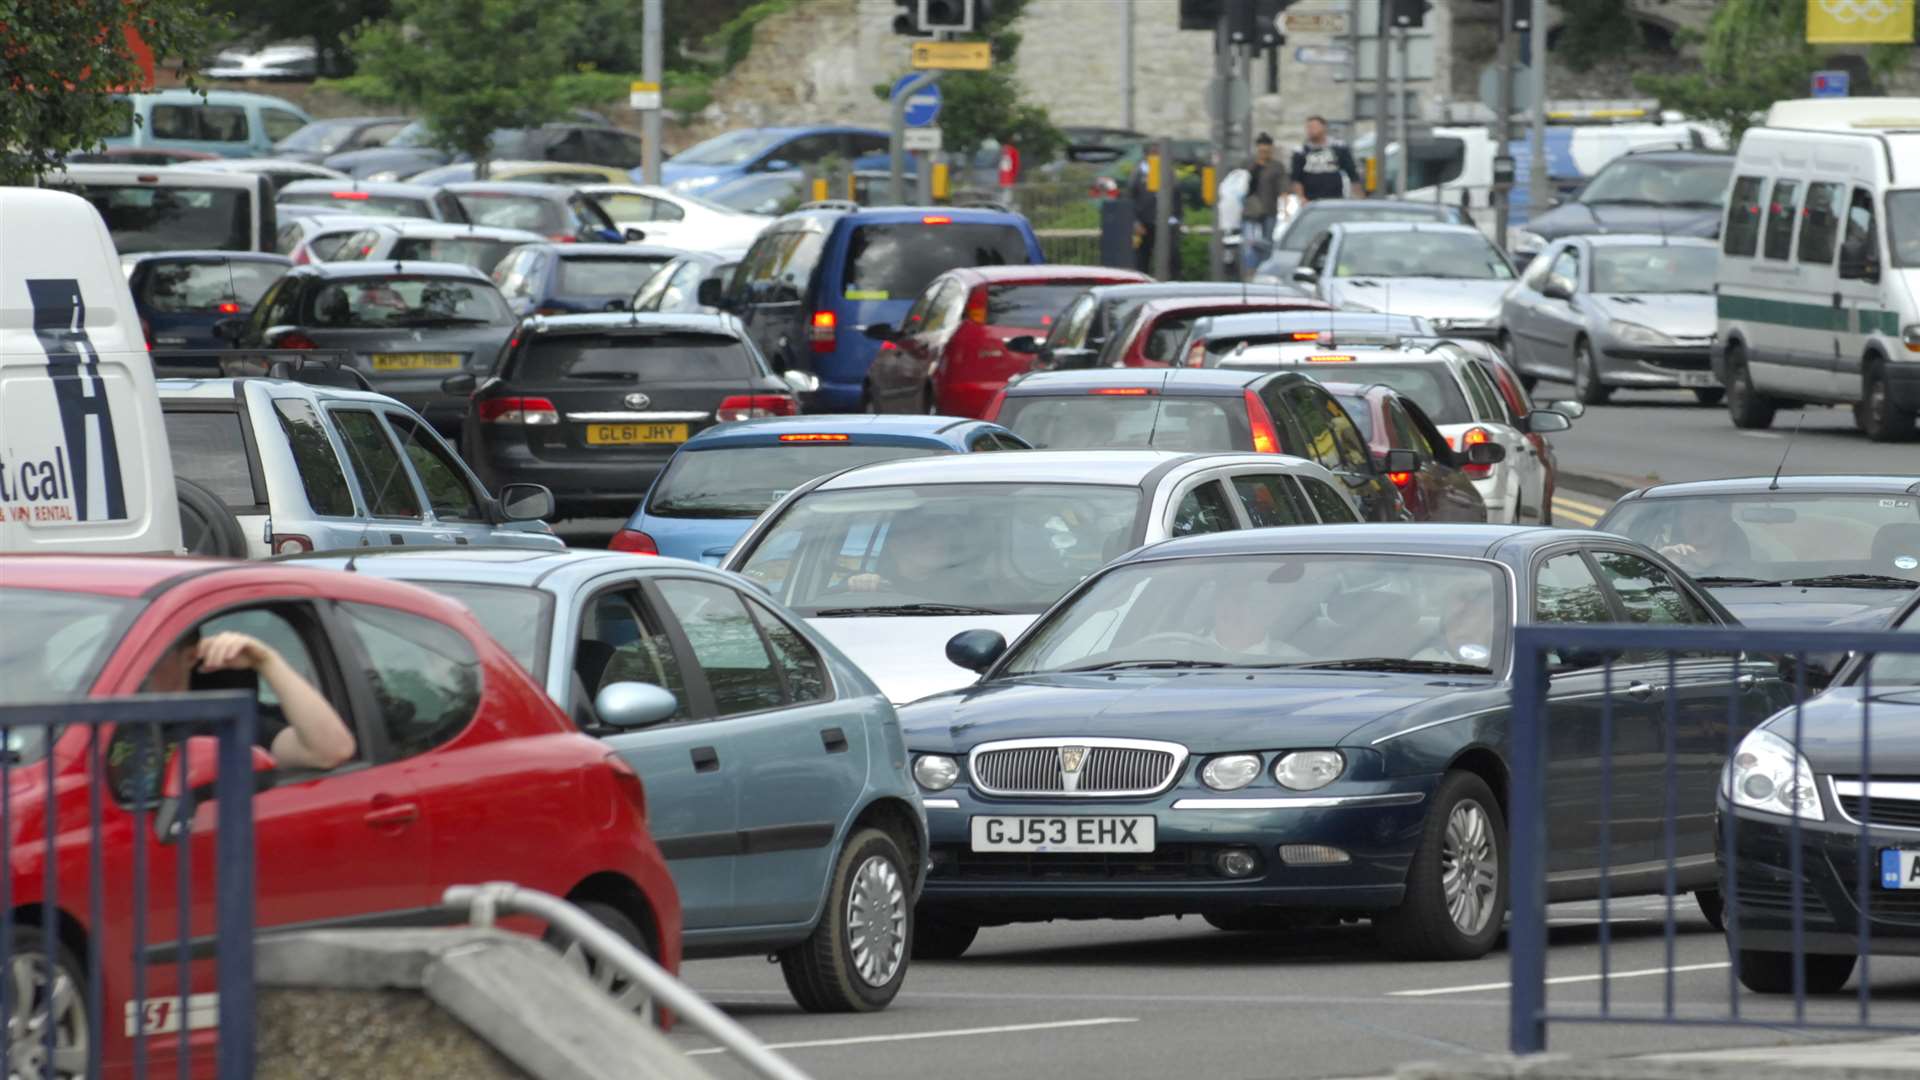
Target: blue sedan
{"points": [[775, 774], [1290, 725], [721, 479]]}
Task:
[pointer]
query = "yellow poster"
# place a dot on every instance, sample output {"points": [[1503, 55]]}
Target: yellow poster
{"points": [[1859, 22]]}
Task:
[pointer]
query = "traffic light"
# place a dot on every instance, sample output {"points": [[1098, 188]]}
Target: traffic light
{"points": [[1408, 12], [908, 20], [1243, 22], [946, 16]]}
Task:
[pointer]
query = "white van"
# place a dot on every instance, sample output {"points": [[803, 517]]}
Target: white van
{"points": [[175, 209], [83, 451], [1819, 262]]}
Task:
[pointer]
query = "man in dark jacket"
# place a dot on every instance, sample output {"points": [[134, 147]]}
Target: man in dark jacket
{"points": [[1322, 168], [1145, 210], [1266, 185]]}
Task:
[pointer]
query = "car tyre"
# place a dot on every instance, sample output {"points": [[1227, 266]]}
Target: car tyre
{"points": [[1772, 972], [1880, 417], [1587, 387], [857, 956], [1713, 906], [1457, 886], [1746, 406], [626, 993], [941, 939], [32, 956], [1709, 395], [207, 527]]}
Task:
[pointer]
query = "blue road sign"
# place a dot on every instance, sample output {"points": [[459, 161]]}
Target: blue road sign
{"points": [[1830, 84], [924, 107]]}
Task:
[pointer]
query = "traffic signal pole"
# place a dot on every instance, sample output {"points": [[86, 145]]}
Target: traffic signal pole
{"points": [[896, 147], [652, 34], [1503, 118]]}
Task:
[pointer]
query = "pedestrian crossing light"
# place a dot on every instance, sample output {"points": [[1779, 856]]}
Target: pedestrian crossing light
{"points": [[946, 16], [908, 20]]}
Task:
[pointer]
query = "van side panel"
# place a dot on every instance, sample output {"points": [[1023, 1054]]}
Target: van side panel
{"points": [[83, 453]]}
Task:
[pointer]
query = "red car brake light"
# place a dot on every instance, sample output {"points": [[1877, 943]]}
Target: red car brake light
{"points": [[976, 312], [356, 196], [293, 339], [1123, 391], [1266, 440], [633, 542], [755, 407], [227, 307], [531, 411], [1400, 479]]}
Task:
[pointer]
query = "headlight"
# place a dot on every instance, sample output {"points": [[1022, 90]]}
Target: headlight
{"points": [[1230, 772], [1910, 337], [1627, 333], [935, 772], [1519, 240], [1306, 770], [1768, 775]]}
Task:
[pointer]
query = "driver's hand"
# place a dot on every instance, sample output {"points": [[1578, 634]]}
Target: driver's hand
{"points": [[231, 651], [1675, 551], [866, 583]]}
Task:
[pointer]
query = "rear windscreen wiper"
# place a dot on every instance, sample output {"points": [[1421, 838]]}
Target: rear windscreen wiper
{"points": [[1858, 581]]}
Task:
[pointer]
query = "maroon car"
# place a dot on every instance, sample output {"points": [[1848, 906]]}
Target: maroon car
{"points": [[1439, 490]]}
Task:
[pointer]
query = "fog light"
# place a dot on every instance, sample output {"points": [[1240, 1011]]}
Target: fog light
{"points": [[1235, 862], [1312, 855]]}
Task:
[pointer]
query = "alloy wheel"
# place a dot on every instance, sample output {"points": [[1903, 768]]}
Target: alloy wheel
{"points": [[877, 921], [626, 993], [36, 1008], [1469, 867]]}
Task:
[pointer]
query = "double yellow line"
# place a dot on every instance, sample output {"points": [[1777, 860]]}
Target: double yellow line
{"points": [[1576, 511]]}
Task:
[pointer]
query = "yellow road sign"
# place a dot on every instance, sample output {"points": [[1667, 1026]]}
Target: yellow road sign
{"points": [[952, 55]]}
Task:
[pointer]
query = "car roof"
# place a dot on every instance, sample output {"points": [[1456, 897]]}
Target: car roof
{"points": [[215, 97], [509, 187], [427, 228], [1172, 289], [638, 321], [1836, 483], [1470, 541], [1350, 321], [1229, 302], [1643, 239], [1038, 273], [898, 215], [614, 251], [1191, 382], [513, 566], [858, 427], [356, 268], [223, 390], [207, 254], [1675, 153], [1128, 467], [1405, 226], [1439, 209], [370, 187]]}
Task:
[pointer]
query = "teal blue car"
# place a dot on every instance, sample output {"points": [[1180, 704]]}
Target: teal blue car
{"points": [[223, 122], [775, 772]]}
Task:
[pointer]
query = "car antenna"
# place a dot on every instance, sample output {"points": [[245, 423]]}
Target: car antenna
{"points": [[1774, 484], [1159, 402]]}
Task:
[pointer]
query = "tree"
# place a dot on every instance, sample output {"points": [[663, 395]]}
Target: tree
{"points": [[471, 67], [63, 61], [1594, 32], [981, 105]]}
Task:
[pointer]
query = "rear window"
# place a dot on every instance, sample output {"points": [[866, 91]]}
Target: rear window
{"points": [[80, 630], [1359, 413], [741, 481], [632, 357], [201, 287], [1312, 221], [361, 202], [516, 617], [210, 449], [482, 255], [1431, 386], [1034, 306], [408, 301], [148, 218], [1102, 421], [504, 211], [896, 262], [614, 276]]}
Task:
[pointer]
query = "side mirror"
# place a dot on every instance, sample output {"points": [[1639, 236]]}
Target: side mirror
{"points": [[976, 650], [1542, 421], [1572, 410], [1556, 288], [1025, 344], [801, 383], [230, 330], [634, 705], [1403, 461], [460, 385], [178, 802], [1306, 275], [634, 235], [880, 331], [1859, 266], [776, 165], [1069, 359], [526, 502], [712, 293], [1486, 453]]}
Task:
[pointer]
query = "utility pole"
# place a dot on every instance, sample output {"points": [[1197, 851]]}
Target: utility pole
{"points": [[1126, 65], [1538, 192], [1223, 121], [1163, 212], [1503, 118], [1400, 102], [1382, 98], [652, 34], [1353, 72]]}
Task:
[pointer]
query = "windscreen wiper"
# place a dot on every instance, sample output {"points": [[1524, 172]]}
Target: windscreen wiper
{"points": [[1858, 581], [1139, 665], [904, 609], [1396, 663], [1711, 580]]}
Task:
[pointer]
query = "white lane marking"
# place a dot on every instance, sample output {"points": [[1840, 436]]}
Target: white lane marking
{"points": [[1759, 435], [912, 1035], [1561, 981]]}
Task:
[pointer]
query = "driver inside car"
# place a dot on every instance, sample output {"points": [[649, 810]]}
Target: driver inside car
{"points": [[303, 732], [924, 557]]}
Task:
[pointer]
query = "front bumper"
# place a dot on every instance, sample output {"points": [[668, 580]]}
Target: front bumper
{"points": [[1658, 366], [1376, 823], [1759, 886]]}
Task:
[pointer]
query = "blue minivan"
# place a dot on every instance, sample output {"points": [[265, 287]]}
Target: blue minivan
{"points": [[817, 277], [720, 480]]}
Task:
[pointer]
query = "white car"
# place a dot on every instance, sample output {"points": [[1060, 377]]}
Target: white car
{"points": [[676, 219], [889, 561], [318, 237], [1450, 275], [407, 240], [1454, 389]]}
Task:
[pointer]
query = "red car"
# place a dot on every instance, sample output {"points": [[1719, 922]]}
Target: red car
{"points": [[949, 355], [464, 772], [1152, 336], [1438, 490]]}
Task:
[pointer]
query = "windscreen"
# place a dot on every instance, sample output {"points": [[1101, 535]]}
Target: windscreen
{"points": [[210, 449], [1029, 306], [1903, 226], [741, 481], [202, 287], [146, 217], [406, 300], [1660, 183], [72, 635], [939, 549], [1431, 386], [319, 137], [1313, 220], [478, 253], [517, 618], [613, 276], [1421, 254], [361, 202], [773, 194], [895, 262], [503, 210], [1685, 268], [1347, 611], [1105, 421], [1781, 536], [733, 148], [665, 357]]}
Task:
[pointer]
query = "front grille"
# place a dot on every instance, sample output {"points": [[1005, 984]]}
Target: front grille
{"points": [[1682, 363], [1171, 862], [1892, 813], [1768, 897], [1895, 800], [1105, 767]]}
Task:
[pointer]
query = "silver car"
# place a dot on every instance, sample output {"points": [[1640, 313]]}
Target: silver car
{"points": [[1620, 311], [1450, 275]]}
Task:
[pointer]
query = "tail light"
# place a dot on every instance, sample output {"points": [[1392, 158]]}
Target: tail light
{"points": [[1400, 479], [821, 331], [351, 196], [633, 542], [628, 781], [993, 407], [225, 307], [1473, 437], [936, 219], [146, 331], [564, 238], [291, 544], [755, 407], [293, 339], [1265, 439], [531, 411], [977, 306]]}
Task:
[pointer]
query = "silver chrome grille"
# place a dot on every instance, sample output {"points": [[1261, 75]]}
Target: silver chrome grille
{"points": [[1075, 767]]}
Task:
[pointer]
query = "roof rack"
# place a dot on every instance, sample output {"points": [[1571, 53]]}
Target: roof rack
{"points": [[318, 371]]}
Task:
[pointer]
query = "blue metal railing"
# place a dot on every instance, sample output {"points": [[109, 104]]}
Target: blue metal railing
{"points": [[125, 758], [1751, 655]]}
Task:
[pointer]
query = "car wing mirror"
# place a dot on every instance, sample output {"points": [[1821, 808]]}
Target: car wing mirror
{"points": [[1486, 453], [976, 650], [526, 502], [1572, 410], [712, 293], [459, 385], [199, 759], [880, 331], [634, 705], [230, 330], [1556, 289], [1542, 421], [1585, 659], [1403, 461], [1306, 275], [1068, 359], [1025, 344], [801, 383], [635, 236]]}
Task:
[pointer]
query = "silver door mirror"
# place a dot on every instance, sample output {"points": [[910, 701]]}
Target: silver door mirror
{"points": [[526, 502], [633, 705], [801, 382], [1542, 421]]}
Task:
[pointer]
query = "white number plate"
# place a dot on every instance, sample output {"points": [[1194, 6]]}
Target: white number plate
{"points": [[1898, 869], [1049, 834], [1698, 378]]}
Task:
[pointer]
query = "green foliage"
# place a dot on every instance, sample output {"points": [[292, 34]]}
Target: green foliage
{"points": [[735, 36], [1592, 32], [62, 60], [1753, 54], [473, 66]]}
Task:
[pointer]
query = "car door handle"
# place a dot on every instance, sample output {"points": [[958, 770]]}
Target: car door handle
{"points": [[392, 815], [1640, 691], [834, 740], [705, 759]]}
